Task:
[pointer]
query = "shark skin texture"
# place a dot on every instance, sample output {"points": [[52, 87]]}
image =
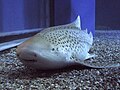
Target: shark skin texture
{"points": [[57, 47]]}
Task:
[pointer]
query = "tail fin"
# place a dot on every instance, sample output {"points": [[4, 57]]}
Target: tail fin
{"points": [[82, 63]]}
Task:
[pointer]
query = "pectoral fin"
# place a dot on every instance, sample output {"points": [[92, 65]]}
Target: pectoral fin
{"points": [[90, 56], [84, 56]]}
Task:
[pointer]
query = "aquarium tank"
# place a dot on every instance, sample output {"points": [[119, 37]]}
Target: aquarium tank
{"points": [[59, 45]]}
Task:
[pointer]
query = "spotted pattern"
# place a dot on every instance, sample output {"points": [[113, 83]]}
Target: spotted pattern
{"points": [[67, 40]]}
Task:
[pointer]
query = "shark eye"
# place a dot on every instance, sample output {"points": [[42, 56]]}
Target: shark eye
{"points": [[35, 55], [53, 49]]}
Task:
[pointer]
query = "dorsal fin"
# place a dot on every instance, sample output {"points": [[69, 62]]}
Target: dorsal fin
{"points": [[90, 35], [74, 24], [91, 38], [86, 30]]}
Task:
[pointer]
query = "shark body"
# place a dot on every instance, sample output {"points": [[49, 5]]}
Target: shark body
{"points": [[57, 47]]}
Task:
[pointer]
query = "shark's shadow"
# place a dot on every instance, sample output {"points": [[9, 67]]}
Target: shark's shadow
{"points": [[28, 73]]}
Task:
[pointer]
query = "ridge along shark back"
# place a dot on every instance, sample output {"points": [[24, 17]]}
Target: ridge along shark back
{"points": [[57, 47]]}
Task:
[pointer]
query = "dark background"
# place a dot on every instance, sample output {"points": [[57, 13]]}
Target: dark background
{"points": [[107, 14], [26, 14]]}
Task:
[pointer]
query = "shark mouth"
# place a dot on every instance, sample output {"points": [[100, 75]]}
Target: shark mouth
{"points": [[28, 60]]}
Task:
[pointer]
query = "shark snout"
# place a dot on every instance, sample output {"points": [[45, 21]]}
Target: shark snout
{"points": [[26, 54]]}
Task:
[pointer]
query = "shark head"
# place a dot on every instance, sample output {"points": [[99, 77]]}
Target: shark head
{"points": [[40, 54]]}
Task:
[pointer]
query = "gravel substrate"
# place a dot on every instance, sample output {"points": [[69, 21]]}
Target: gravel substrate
{"points": [[15, 76]]}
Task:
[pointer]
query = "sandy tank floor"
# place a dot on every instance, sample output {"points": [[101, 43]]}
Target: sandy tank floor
{"points": [[15, 76]]}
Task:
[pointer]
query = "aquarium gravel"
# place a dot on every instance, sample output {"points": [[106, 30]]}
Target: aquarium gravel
{"points": [[15, 76]]}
